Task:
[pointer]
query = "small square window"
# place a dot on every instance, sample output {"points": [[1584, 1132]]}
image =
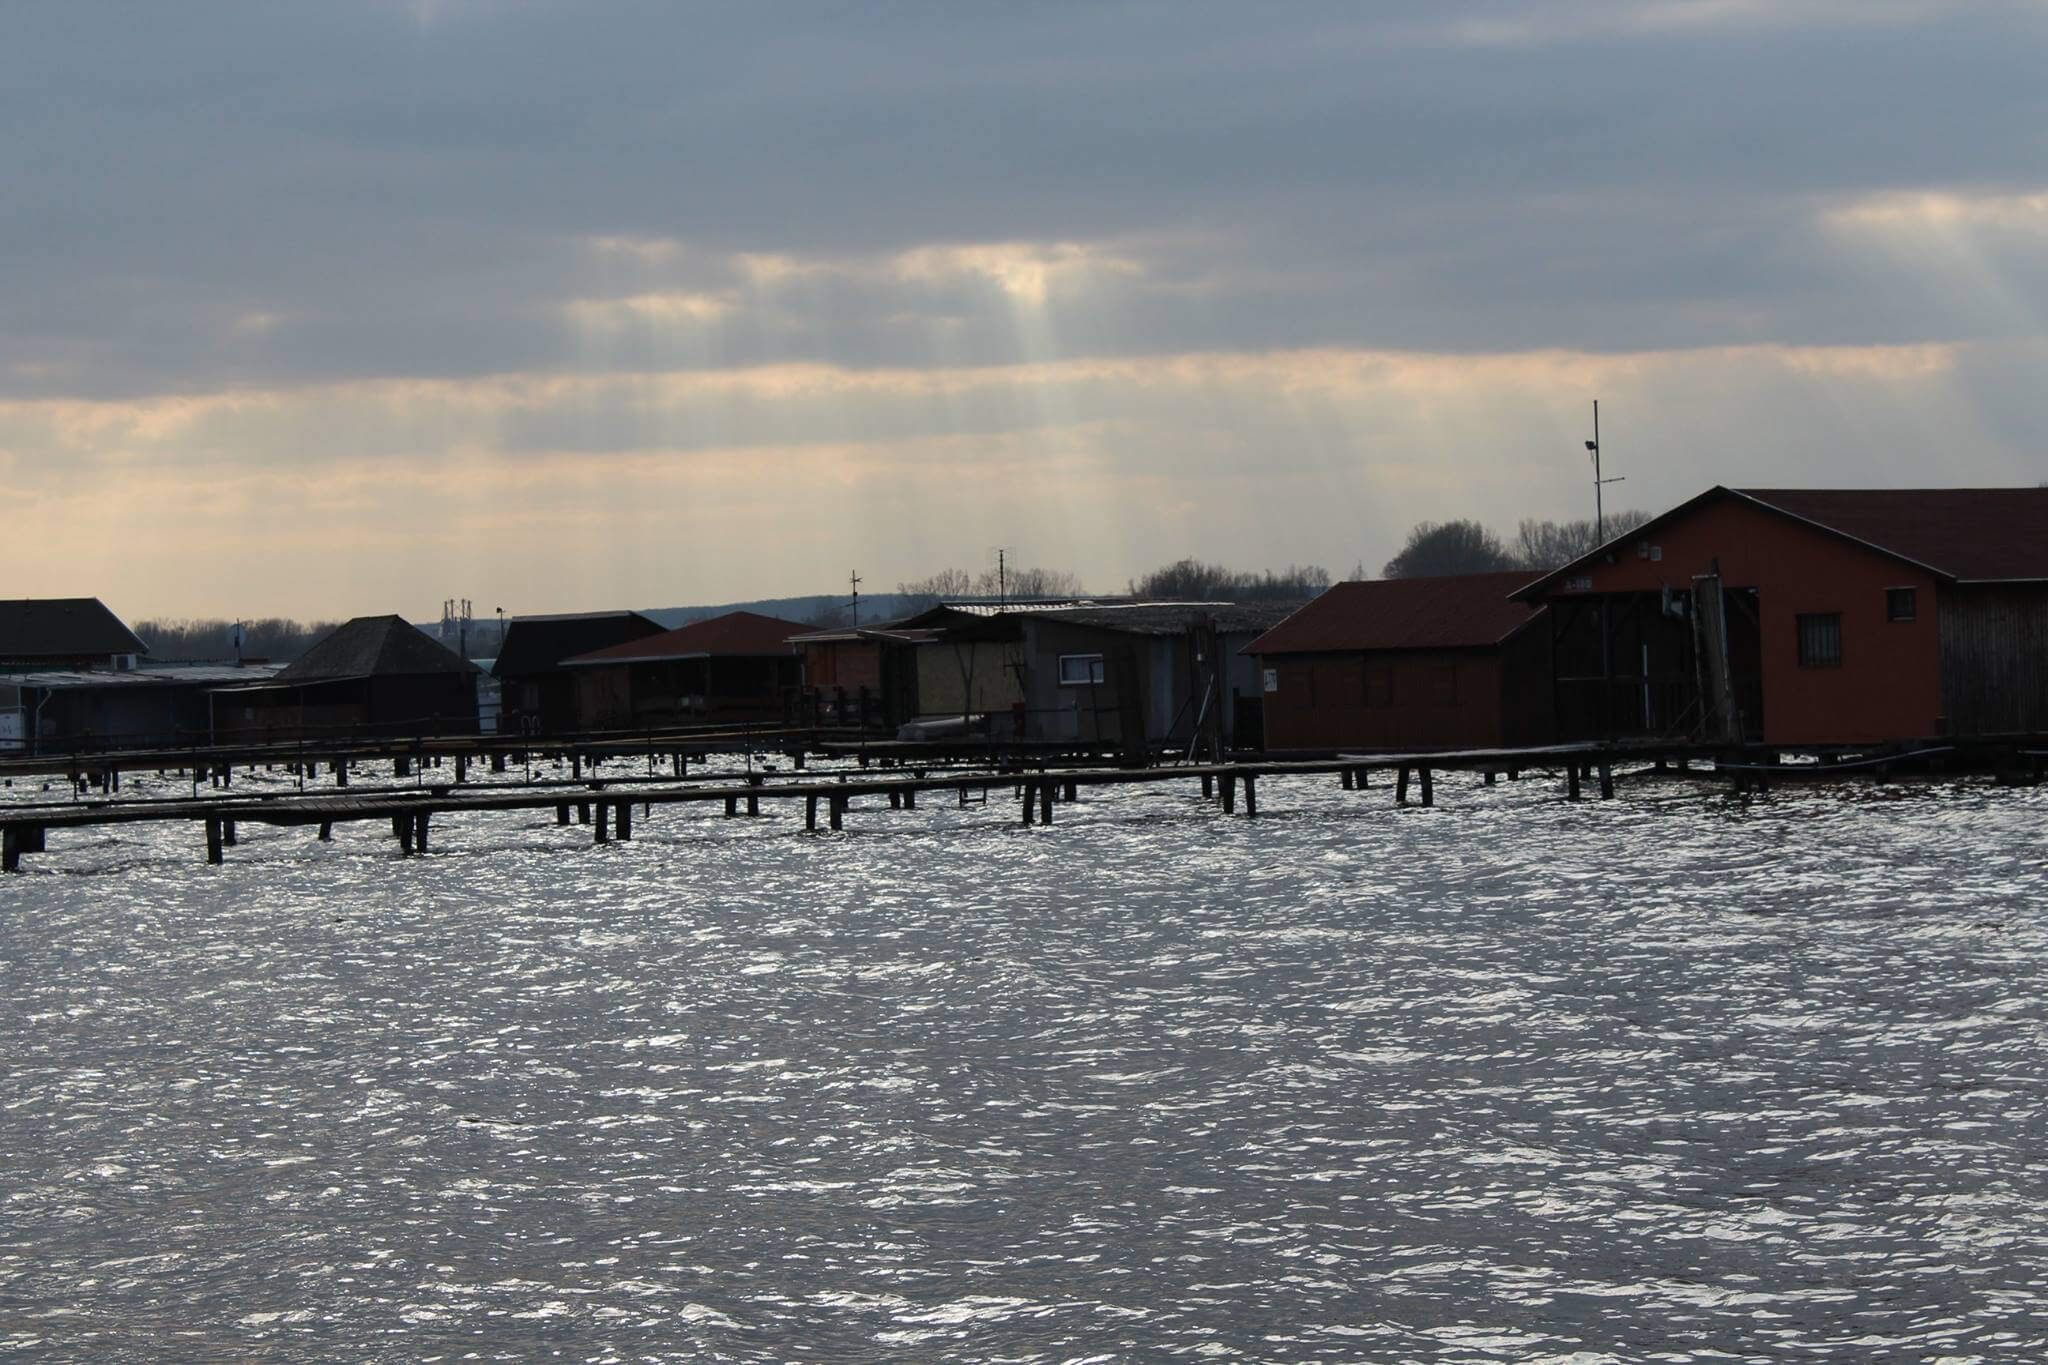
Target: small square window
{"points": [[1080, 670], [1820, 640], [1901, 604]]}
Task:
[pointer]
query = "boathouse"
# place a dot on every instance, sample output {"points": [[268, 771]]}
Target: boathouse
{"points": [[860, 675], [64, 633], [1809, 617], [1408, 663], [539, 694], [739, 666], [1145, 675], [374, 676]]}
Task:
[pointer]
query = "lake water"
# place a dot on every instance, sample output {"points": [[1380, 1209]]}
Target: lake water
{"points": [[1672, 1078]]}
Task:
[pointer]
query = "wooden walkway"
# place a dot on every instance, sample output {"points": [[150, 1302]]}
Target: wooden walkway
{"points": [[606, 804]]}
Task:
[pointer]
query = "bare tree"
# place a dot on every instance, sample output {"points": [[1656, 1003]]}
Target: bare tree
{"points": [[1191, 580], [1545, 545], [1435, 549], [955, 584]]}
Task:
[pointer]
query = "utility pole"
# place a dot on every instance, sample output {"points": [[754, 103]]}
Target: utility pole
{"points": [[1002, 580], [1599, 484], [854, 579]]}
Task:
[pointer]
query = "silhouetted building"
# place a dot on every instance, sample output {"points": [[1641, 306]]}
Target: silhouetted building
{"points": [[64, 633], [539, 694], [737, 666], [373, 676]]}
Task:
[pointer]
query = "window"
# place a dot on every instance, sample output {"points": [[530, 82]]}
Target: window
{"points": [[1820, 640], [1901, 604], [1080, 670]]}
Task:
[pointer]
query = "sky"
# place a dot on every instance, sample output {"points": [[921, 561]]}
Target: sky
{"points": [[325, 310]]}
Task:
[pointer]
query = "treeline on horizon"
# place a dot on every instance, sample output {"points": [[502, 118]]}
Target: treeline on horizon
{"points": [[1432, 549]]}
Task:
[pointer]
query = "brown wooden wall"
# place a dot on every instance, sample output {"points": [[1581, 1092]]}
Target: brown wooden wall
{"points": [[1394, 699], [1994, 659]]}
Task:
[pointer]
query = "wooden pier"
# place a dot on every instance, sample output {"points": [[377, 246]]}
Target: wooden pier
{"points": [[605, 804]]}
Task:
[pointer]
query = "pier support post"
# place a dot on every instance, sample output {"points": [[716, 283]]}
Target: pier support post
{"points": [[895, 800], [461, 768], [1208, 786], [341, 772], [419, 831], [1045, 802], [838, 810], [498, 761], [910, 798], [326, 831], [624, 822], [1346, 781], [1489, 777], [1606, 781], [227, 833], [753, 803], [1428, 789], [562, 813], [582, 812], [401, 766], [213, 840], [10, 849], [811, 813], [401, 825], [1030, 802], [601, 828], [575, 764], [1401, 787], [1251, 795], [1571, 781], [732, 806], [1071, 792], [1229, 793]]}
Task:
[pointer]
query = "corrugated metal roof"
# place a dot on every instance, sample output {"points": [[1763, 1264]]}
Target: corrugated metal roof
{"points": [[538, 644], [1965, 533], [735, 634], [202, 675], [1460, 611], [379, 646], [62, 627], [1168, 618]]}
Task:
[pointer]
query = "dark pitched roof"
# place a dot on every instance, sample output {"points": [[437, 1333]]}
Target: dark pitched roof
{"points": [[538, 644], [736, 633], [1455, 612], [62, 627], [1971, 534], [1964, 534], [1168, 618], [381, 646]]}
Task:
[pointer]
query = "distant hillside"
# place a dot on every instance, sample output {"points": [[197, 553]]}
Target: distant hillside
{"points": [[823, 610]]}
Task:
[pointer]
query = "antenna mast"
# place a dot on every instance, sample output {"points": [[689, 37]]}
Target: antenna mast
{"points": [[853, 578], [1599, 484]]}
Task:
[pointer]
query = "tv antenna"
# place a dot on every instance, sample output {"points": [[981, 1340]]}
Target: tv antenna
{"points": [[1599, 484], [854, 579]]}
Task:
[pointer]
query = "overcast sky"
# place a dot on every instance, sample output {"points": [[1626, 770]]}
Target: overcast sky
{"points": [[321, 310]]}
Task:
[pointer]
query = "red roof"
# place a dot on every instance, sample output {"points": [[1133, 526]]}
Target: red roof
{"points": [[737, 633], [1962, 533], [1462, 611], [1967, 534]]}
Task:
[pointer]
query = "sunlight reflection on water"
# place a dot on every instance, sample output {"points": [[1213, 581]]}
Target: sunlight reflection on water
{"points": [[1505, 1080]]}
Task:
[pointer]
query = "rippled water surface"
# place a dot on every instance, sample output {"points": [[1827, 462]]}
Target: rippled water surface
{"points": [[1668, 1078]]}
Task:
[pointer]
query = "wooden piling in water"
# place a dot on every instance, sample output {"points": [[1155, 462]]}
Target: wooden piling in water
{"points": [[1401, 787], [1428, 789], [1571, 781], [1045, 802], [624, 820], [1251, 795], [1606, 781], [562, 814], [227, 833], [601, 828], [811, 813], [838, 810], [213, 844], [419, 831]]}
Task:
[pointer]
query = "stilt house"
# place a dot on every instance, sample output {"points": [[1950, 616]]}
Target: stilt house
{"points": [[738, 666], [1408, 663], [1809, 617]]}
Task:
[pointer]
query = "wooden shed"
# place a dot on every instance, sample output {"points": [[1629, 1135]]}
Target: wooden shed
{"points": [[374, 676], [538, 693], [737, 666], [1810, 617], [1408, 663]]}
